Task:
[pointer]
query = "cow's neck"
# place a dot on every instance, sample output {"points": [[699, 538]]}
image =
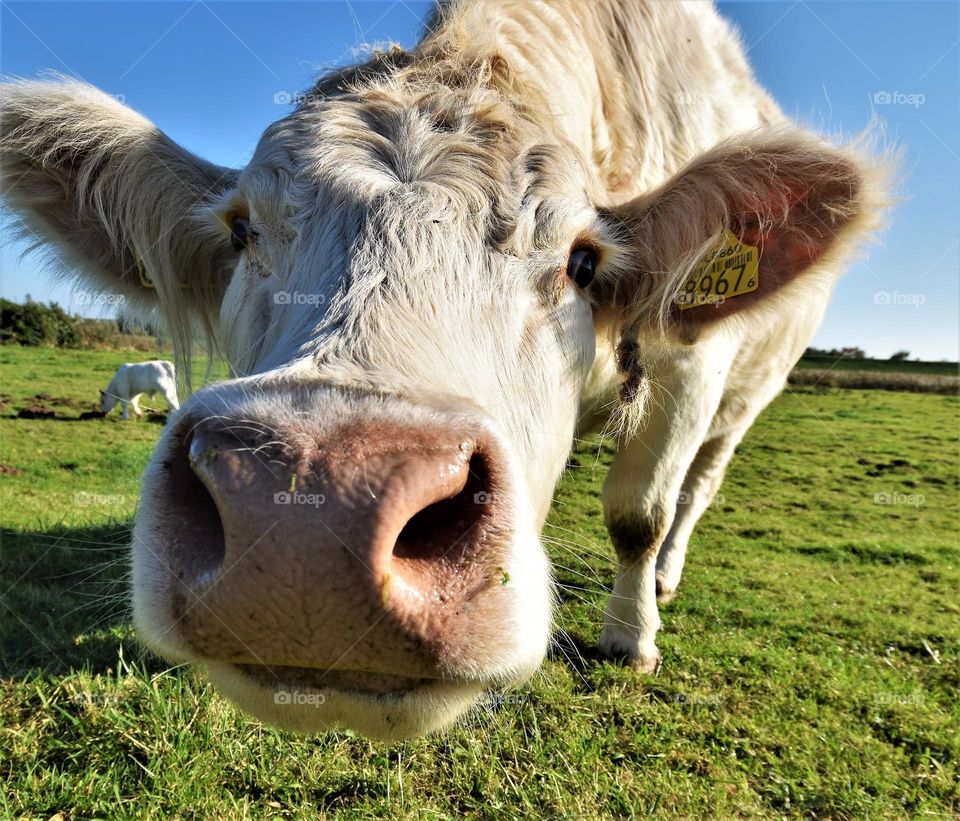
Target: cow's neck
{"points": [[640, 88]]}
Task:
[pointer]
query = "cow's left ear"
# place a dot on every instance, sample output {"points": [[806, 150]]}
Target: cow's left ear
{"points": [[741, 226], [121, 204]]}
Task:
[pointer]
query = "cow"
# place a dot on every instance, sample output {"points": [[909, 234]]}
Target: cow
{"points": [[137, 378], [545, 218]]}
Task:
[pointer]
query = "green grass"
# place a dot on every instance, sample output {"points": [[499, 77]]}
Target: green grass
{"points": [[810, 661]]}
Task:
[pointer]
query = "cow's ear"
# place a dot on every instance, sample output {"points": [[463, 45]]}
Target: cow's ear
{"points": [[745, 225], [118, 202]]}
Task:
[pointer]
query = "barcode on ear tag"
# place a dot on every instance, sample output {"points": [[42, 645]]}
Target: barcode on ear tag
{"points": [[731, 268]]}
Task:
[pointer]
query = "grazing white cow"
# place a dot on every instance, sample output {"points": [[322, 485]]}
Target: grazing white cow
{"points": [[137, 378], [428, 273]]}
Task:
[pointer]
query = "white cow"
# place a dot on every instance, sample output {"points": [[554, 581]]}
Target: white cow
{"points": [[545, 215], [137, 378]]}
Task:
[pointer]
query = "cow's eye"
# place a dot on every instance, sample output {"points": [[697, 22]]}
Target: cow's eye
{"points": [[582, 266], [239, 233]]}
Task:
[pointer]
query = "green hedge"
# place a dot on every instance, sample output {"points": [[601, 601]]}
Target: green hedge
{"points": [[48, 325]]}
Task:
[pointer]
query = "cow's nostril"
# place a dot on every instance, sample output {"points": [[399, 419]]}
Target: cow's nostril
{"points": [[203, 545], [446, 529]]}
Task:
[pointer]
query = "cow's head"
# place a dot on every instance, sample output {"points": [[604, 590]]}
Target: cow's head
{"points": [[107, 402], [408, 281]]}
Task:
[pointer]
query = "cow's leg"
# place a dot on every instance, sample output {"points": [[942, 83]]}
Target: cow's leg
{"points": [[134, 403], [638, 514], [701, 484], [640, 500], [170, 394], [125, 404], [632, 619]]}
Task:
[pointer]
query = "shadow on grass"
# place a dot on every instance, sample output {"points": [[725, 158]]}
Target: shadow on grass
{"points": [[65, 605], [149, 418], [580, 656], [64, 600]]}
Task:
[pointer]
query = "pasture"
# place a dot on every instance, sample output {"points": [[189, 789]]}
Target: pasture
{"points": [[810, 660]]}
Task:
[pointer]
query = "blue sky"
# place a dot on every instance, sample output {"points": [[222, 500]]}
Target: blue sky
{"points": [[214, 74]]}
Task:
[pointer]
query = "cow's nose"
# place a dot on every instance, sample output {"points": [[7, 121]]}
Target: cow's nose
{"points": [[400, 503], [362, 547]]}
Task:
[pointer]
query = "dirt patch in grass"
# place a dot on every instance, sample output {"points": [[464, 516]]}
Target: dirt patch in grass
{"points": [[47, 406], [36, 411], [65, 401]]}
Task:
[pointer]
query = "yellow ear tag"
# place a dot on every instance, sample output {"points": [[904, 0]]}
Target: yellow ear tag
{"points": [[732, 268]]}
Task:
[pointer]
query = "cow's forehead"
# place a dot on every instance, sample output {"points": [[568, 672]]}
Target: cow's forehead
{"points": [[442, 154]]}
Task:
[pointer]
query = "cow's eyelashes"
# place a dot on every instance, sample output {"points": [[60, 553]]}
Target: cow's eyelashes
{"points": [[240, 233], [582, 266]]}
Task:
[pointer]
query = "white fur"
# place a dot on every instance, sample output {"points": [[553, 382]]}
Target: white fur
{"points": [[133, 380], [414, 217]]}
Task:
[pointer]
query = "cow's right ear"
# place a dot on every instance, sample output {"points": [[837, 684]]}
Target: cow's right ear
{"points": [[119, 202], [748, 225]]}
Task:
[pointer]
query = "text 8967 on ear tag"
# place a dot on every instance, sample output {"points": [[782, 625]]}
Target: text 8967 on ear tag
{"points": [[732, 268]]}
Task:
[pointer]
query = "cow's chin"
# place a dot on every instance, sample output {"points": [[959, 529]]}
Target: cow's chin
{"points": [[385, 708], [501, 654]]}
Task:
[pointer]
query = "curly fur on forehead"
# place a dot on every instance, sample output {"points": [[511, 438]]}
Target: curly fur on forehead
{"points": [[449, 127]]}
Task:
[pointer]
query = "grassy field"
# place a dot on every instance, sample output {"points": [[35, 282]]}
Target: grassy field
{"points": [[810, 661]]}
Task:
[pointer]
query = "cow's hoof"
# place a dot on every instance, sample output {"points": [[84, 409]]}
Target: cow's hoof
{"points": [[624, 651], [646, 664], [665, 594]]}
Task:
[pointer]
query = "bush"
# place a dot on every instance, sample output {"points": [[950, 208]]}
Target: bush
{"points": [[48, 325], [881, 380], [37, 324], [850, 352]]}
